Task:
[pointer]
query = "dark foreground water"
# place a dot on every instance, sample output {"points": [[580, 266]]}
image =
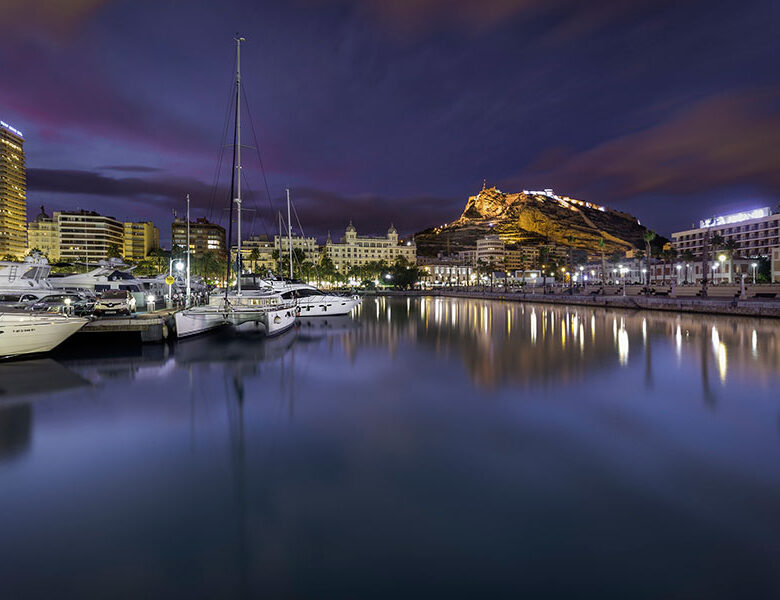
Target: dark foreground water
{"points": [[426, 448]]}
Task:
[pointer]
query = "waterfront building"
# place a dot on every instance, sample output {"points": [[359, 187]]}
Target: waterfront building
{"points": [[490, 251], [204, 236], [775, 273], [140, 239], [43, 234], [257, 252], [721, 270], [755, 233], [354, 250], [468, 257], [13, 192], [630, 271], [443, 272], [85, 235], [307, 245]]}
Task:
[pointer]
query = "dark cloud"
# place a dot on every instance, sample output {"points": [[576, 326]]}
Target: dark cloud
{"points": [[129, 168], [723, 140]]}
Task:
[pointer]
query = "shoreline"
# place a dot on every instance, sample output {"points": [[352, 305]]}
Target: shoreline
{"points": [[715, 306]]}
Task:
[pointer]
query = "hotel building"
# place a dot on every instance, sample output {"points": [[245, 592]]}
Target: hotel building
{"points": [[204, 236], [140, 239], [13, 189], [755, 232], [354, 250], [85, 235]]}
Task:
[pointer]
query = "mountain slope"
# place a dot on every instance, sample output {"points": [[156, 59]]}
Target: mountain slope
{"points": [[534, 218]]}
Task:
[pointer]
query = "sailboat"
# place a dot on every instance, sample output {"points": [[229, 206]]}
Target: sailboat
{"points": [[261, 309]]}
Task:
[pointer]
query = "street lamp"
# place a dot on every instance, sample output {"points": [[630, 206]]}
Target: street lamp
{"points": [[755, 266]]}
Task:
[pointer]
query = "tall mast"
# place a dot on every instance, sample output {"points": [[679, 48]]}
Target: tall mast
{"points": [[281, 268], [187, 303], [289, 233], [238, 161]]}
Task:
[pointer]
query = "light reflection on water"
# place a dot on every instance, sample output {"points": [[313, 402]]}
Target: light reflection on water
{"points": [[423, 446]]}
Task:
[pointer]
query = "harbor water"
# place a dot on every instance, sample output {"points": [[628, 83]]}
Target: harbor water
{"points": [[423, 447]]}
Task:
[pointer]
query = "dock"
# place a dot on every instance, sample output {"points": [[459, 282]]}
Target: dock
{"points": [[151, 327]]}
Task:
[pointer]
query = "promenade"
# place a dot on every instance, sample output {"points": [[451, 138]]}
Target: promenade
{"points": [[721, 301]]}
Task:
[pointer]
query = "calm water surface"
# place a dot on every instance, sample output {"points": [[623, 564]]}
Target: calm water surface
{"points": [[424, 448]]}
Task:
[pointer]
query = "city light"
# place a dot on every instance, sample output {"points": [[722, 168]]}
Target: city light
{"points": [[736, 217]]}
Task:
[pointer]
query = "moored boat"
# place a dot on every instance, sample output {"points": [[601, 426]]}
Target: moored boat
{"points": [[23, 332]]}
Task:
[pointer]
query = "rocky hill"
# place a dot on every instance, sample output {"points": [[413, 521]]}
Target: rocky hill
{"points": [[534, 218]]}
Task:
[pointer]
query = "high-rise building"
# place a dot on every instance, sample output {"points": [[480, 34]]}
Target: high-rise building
{"points": [[13, 190], [140, 239], [204, 236], [43, 234], [88, 236], [357, 250]]}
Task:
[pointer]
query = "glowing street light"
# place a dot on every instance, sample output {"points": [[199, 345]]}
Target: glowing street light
{"points": [[755, 266]]}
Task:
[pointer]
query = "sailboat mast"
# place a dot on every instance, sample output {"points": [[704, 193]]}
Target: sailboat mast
{"points": [[238, 162], [281, 267], [187, 302], [289, 233]]}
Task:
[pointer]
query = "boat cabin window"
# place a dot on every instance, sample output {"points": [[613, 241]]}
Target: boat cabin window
{"points": [[9, 297]]}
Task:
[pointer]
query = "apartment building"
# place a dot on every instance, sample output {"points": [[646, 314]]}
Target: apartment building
{"points": [[43, 235], [140, 239], [204, 236], [85, 235]]}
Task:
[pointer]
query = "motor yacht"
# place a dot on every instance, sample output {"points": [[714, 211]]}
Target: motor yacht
{"points": [[312, 301], [24, 332], [25, 281]]}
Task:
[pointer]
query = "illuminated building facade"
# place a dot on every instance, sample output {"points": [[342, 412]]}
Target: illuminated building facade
{"points": [[755, 232], [140, 239], [357, 250], [85, 235], [43, 234], [13, 192], [204, 236]]}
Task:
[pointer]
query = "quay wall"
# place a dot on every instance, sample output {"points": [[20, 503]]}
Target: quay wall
{"points": [[750, 308]]}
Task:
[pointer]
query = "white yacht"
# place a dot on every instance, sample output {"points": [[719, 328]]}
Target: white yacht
{"points": [[23, 332], [312, 302], [261, 309], [111, 274], [24, 281]]}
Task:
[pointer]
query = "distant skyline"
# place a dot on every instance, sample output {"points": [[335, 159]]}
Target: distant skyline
{"points": [[396, 111]]}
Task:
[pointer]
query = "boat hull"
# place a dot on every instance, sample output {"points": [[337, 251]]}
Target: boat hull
{"points": [[268, 321], [31, 334], [327, 306], [194, 321]]}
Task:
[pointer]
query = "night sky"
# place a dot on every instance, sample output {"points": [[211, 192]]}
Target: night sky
{"points": [[396, 110]]}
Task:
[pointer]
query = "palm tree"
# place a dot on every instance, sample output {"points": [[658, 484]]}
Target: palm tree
{"points": [[603, 262], [570, 241], [716, 241], [254, 256], [731, 247], [648, 236], [688, 257]]}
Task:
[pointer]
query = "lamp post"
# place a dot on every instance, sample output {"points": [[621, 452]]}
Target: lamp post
{"points": [[722, 259], [754, 266], [679, 268]]}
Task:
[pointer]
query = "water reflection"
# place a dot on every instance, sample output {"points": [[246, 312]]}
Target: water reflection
{"points": [[480, 439]]}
